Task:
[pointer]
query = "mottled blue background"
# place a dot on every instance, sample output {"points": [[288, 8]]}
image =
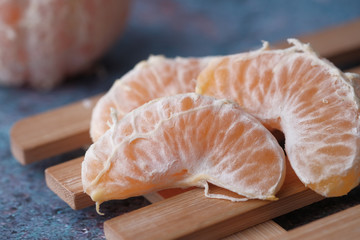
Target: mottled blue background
{"points": [[29, 210]]}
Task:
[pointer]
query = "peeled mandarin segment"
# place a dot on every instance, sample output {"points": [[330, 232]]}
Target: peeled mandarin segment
{"points": [[181, 141], [307, 98], [156, 77]]}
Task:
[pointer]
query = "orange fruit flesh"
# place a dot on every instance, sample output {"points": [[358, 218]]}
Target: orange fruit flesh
{"points": [[156, 77], [308, 99], [51, 39], [181, 141], [10, 13]]}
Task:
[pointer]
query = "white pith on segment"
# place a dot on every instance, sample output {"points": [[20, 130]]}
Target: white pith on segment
{"points": [[156, 77], [305, 97], [140, 153]]}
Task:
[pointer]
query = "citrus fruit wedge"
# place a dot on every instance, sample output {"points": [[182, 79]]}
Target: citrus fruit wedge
{"points": [[181, 141], [310, 100], [156, 77]]}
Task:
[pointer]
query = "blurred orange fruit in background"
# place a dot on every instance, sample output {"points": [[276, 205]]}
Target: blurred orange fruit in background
{"points": [[42, 41]]}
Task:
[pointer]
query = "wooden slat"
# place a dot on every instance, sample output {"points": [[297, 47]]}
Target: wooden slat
{"points": [[340, 44], [67, 128], [74, 196], [262, 231], [65, 180], [190, 215], [60, 179], [53, 132], [342, 225]]}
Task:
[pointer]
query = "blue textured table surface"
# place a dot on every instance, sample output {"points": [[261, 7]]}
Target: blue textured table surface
{"points": [[29, 210]]}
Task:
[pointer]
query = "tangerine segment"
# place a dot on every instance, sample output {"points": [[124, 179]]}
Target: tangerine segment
{"points": [[154, 78], [307, 98], [181, 141]]}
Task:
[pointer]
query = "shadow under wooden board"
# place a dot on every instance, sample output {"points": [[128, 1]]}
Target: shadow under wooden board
{"points": [[201, 217]]}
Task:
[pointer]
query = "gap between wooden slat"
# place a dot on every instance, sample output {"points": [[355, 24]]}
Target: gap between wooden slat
{"points": [[354, 70], [342, 225], [67, 128]]}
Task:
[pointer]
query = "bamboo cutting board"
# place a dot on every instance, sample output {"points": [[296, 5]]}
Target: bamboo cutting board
{"points": [[175, 213]]}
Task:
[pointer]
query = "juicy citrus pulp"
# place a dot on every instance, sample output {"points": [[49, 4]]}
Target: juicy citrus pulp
{"points": [[156, 77], [311, 101], [180, 141]]}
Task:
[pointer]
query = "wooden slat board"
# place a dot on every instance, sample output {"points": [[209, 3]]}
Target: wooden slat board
{"points": [[65, 180], [342, 225], [262, 231], [188, 214], [67, 128], [51, 133], [191, 215], [339, 44]]}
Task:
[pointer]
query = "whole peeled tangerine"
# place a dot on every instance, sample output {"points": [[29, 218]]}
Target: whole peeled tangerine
{"points": [[42, 41]]}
